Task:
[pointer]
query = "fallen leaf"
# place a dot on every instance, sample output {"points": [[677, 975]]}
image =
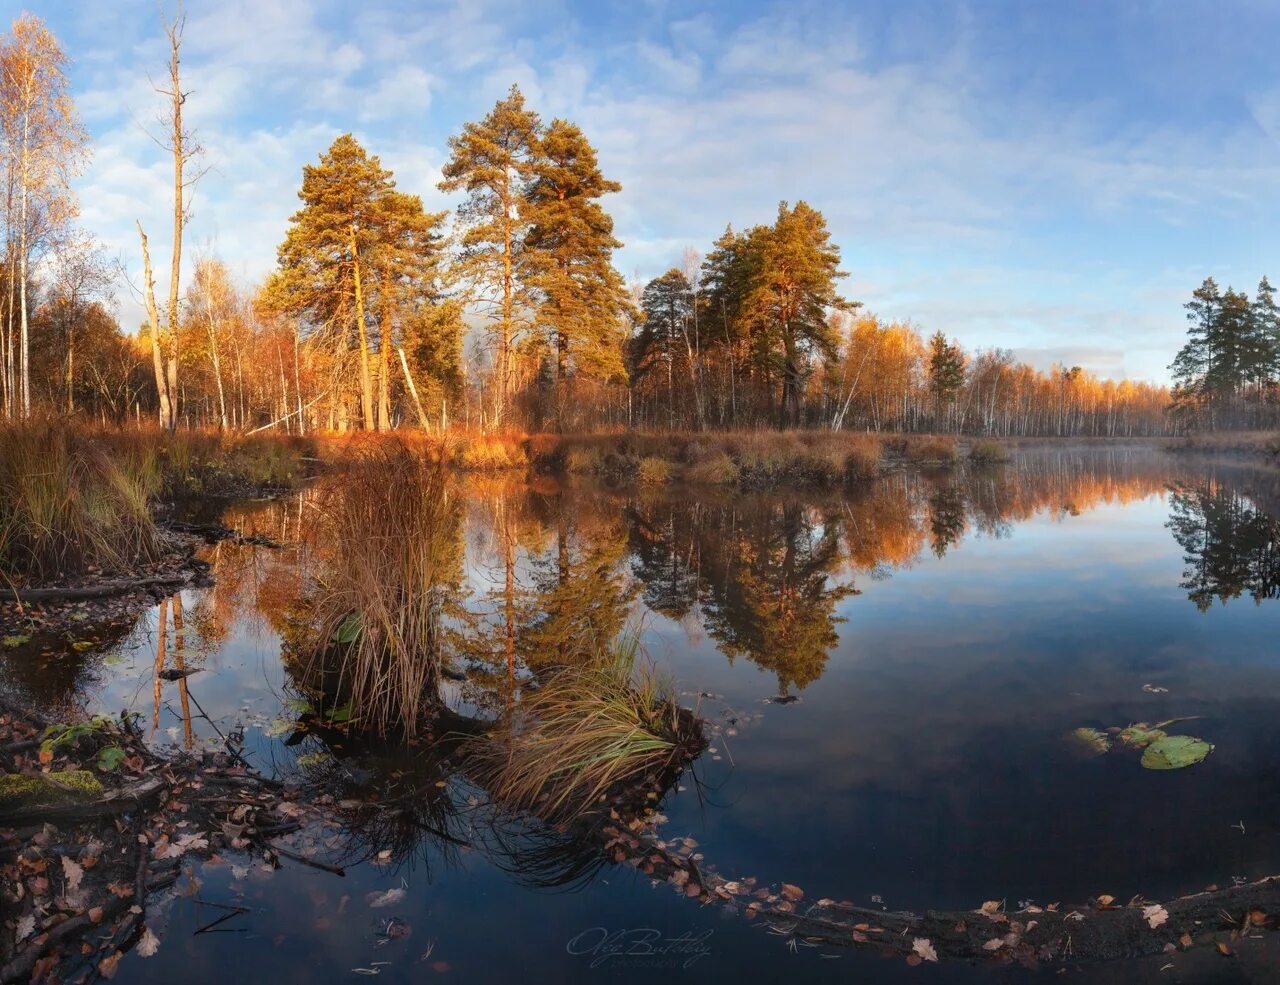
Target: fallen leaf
{"points": [[923, 947], [148, 943], [1155, 915], [388, 898], [1105, 900], [73, 872], [994, 944], [1224, 949], [108, 965], [26, 926], [791, 892]]}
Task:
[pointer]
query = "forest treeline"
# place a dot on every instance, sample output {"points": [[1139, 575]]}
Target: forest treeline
{"points": [[507, 312], [1227, 375]]}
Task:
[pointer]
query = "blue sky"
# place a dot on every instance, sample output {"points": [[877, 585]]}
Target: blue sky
{"points": [[1054, 178]]}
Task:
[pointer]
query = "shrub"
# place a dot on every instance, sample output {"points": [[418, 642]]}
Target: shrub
{"points": [[988, 452], [583, 460], [862, 461]]}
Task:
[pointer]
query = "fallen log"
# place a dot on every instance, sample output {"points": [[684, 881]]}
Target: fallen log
{"points": [[104, 589], [114, 802]]}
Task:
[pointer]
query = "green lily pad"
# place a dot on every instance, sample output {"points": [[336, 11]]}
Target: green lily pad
{"points": [[81, 645], [348, 630], [1140, 735], [1173, 752], [15, 641], [1090, 741]]}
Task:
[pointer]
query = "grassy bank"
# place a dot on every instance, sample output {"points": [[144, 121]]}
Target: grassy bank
{"points": [[76, 501], [1260, 444], [750, 458]]}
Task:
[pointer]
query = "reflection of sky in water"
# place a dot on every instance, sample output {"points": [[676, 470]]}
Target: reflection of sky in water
{"points": [[924, 765]]}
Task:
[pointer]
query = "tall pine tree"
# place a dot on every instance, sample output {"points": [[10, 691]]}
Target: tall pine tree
{"points": [[492, 161], [581, 297]]}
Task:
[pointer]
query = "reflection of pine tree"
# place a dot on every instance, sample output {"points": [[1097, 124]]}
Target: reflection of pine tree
{"points": [[771, 597], [1230, 546], [947, 518], [666, 551], [579, 600]]}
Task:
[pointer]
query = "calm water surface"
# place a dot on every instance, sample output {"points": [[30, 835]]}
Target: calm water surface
{"points": [[891, 672]]}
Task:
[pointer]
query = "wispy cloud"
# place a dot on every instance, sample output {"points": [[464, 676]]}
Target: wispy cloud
{"points": [[928, 160]]}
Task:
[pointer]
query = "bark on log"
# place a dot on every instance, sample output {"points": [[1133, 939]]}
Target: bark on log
{"points": [[104, 589], [114, 802]]}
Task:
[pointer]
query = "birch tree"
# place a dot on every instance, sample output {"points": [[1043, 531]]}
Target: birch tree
{"points": [[45, 145]]}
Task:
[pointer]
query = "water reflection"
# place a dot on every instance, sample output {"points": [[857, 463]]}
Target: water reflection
{"points": [[1230, 545], [942, 630]]}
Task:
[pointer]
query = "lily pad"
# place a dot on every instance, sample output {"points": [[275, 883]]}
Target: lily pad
{"points": [[1090, 741], [1173, 752], [348, 630], [11, 642], [1140, 735]]}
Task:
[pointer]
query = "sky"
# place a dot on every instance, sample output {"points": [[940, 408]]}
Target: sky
{"points": [[1051, 178]]}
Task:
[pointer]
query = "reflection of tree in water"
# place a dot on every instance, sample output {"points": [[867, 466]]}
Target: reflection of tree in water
{"points": [[579, 598], [771, 595], [761, 569], [948, 517], [1230, 546]]}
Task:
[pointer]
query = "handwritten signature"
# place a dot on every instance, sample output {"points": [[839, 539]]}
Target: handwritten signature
{"points": [[640, 945]]}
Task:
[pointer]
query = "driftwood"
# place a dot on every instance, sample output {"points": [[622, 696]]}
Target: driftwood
{"points": [[104, 589]]}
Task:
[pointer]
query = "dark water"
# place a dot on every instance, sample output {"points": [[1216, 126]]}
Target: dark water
{"points": [[891, 671]]}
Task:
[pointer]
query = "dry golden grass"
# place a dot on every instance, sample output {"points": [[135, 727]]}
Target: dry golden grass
{"points": [[375, 615], [583, 732]]}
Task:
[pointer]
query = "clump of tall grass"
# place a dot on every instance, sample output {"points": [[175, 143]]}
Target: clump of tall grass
{"points": [[66, 506], [585, 732], [489, 452], [375, 616], [653, 471], [863, 459], [987, 451], [716, 469], [930, 449]]}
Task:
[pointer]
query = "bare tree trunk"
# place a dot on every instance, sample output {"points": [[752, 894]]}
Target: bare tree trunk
{"points": [[413, 390], [25, 355], [179, 214], [366, 381], [384, 357], [153, 316]]}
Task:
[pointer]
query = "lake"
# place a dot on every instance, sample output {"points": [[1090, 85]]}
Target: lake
{"points": [[890, 673]]}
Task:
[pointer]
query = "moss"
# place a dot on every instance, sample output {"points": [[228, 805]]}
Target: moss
{"points": [[64, 787]]}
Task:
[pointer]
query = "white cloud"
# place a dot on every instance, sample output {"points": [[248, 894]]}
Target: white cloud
{"points": [[918, 163]]}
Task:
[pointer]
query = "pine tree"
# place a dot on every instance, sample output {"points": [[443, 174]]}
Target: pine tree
{"points": [[667, 305], [946, 371], [792, 292], [492, 161], [1264, 357], [581, 297], [325, 259], [408, 257]]}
